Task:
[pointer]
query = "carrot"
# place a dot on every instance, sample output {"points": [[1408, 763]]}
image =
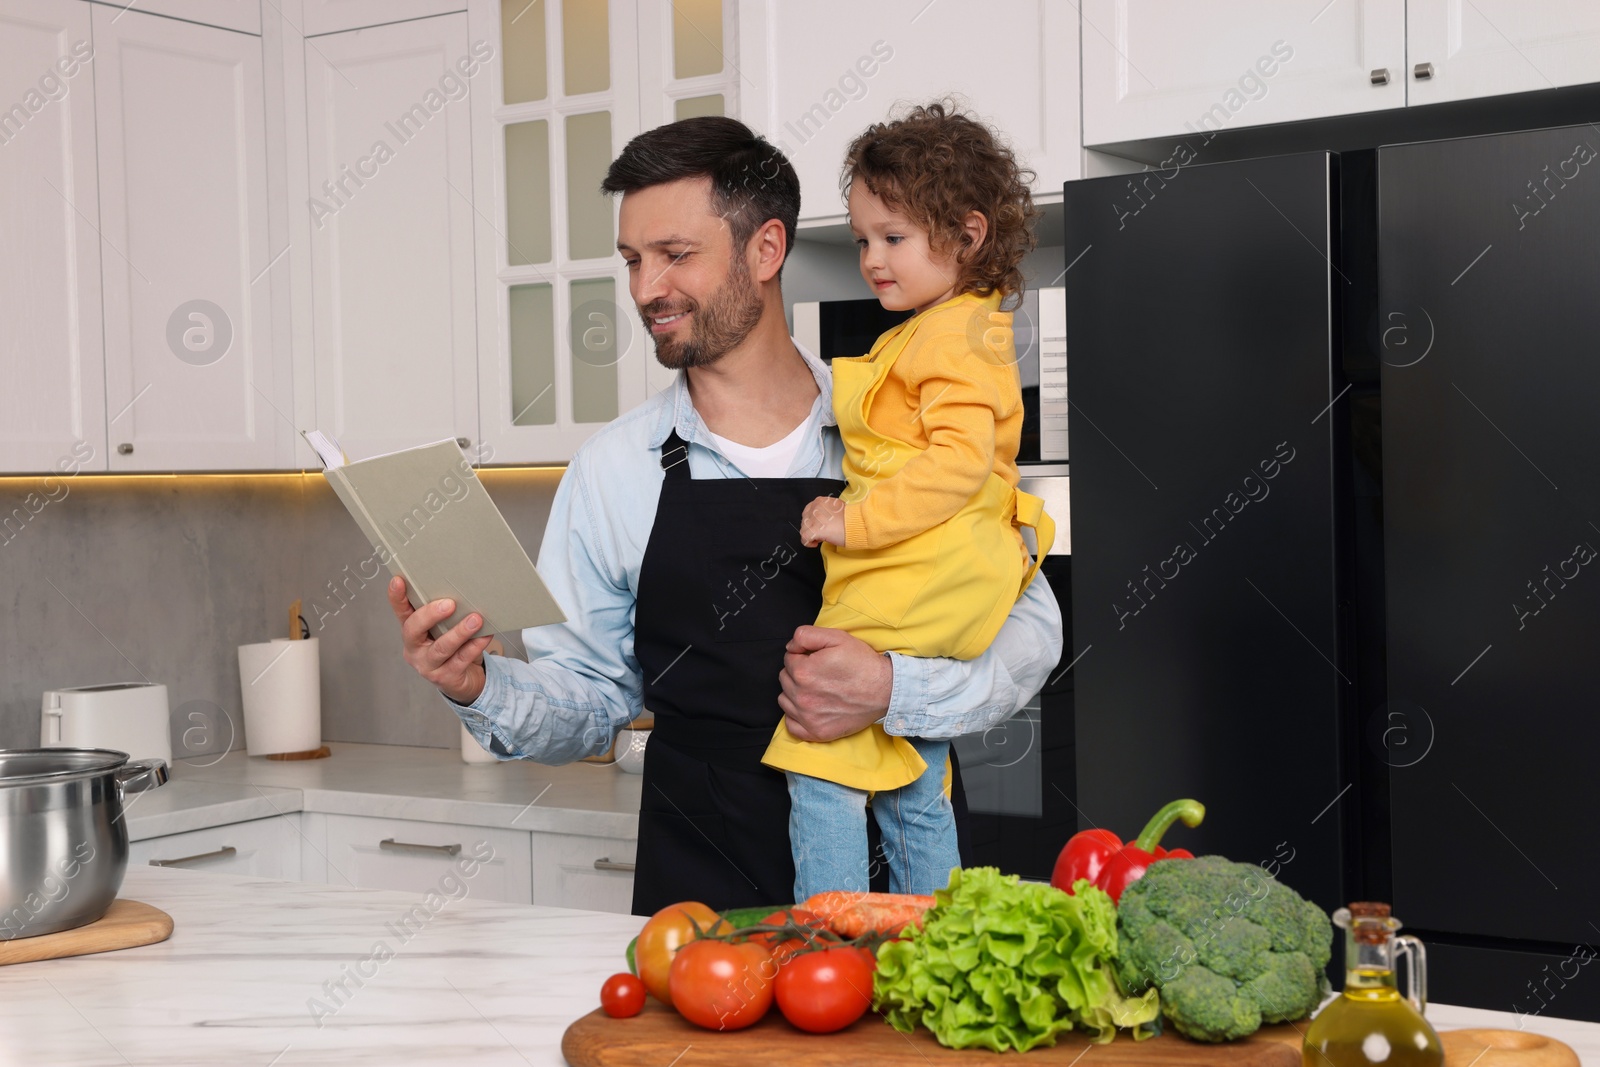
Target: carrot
{"points": [[851, 914]]}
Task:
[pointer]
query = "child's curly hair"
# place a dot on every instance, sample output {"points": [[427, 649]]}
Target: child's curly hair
{"points": [[936, 164]]}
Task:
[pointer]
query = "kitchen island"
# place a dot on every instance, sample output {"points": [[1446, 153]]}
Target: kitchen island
{"points": [[288, 974]]}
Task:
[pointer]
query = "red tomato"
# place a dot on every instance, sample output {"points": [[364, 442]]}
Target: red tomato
{"points": [[721, 986], [668, 930], [824, 991], [622, 996], [785, 951]]}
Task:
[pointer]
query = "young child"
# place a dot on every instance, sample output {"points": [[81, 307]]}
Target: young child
{"points": [[923, 552]]}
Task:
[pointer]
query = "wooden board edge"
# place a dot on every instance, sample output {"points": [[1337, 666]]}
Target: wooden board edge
{"points": [[586, 1043], [126, 924]]}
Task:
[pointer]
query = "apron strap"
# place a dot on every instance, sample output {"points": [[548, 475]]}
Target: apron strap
{"points": [[675, 457], [1031, 513]]}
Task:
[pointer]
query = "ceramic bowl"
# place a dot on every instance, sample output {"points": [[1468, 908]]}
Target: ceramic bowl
{"points": [[630, 750]]}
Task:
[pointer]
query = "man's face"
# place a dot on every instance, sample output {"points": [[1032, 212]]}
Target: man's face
{"points": [[692, 287]]}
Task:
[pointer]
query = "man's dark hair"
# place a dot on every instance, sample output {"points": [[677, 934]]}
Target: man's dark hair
{"points": [[751, 181]]}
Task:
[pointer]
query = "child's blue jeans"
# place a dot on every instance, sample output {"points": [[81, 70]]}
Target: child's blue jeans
{"points": [[828, 831]]}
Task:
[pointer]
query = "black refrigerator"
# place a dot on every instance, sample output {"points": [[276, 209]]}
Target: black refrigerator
{"points": [[1335, 483], [1201, 334]]}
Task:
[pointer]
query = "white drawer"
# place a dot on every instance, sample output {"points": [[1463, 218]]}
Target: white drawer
{"points": [[593, 873], [422, 857], [263, 848]]}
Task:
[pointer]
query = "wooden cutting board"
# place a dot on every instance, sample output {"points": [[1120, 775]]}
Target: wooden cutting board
{"points": [[126, 924], [659, 1036]]}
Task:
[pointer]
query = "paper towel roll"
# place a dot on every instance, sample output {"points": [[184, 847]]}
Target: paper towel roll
{"points": [[282, 686], [471, 751]]}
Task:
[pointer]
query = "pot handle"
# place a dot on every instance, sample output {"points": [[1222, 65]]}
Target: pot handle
{"points": [[136, 776]]}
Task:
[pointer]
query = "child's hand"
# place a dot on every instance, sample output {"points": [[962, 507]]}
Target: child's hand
{"points": [[823, 520]]}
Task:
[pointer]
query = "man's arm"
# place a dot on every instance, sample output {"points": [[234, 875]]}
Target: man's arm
{"points": [[950, 697], [582, 683], [835, 684]]}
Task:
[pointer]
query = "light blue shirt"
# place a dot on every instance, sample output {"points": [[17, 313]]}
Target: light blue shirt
{"points": [[582, 683]]}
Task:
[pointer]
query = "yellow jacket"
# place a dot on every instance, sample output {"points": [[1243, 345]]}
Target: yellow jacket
{"points": [[933, 560]]}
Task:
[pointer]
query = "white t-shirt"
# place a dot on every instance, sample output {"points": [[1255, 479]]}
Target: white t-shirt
{"points": [[772, 461]]}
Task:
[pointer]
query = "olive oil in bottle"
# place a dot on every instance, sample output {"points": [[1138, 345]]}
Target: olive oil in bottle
{"points": [[1370, 1022]]}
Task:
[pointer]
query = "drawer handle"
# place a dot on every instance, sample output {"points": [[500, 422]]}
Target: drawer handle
{"points": [[607, 864], [224, 851], [392, 845]]}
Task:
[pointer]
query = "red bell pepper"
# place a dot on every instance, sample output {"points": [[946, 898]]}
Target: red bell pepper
{"points": [[1102, 858]]}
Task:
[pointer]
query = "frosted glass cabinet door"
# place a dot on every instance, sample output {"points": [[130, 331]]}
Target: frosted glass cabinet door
{"points": [[559, 344], [52, 403], [392, 235], [190, 368]]}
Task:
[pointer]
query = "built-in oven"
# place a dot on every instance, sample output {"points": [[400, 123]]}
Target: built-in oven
{"points": [[1020, 776]]}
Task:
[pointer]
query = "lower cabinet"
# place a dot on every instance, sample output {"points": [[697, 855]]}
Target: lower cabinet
{"points": [[418, 857], [593, 873], [260, 848], [455, 860]]}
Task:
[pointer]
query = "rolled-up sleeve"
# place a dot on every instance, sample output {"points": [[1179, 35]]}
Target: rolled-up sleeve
{"points": [[582, 682], [948, 697]]}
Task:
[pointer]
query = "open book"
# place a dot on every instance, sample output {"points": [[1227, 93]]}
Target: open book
{"points": [[431, 522]]}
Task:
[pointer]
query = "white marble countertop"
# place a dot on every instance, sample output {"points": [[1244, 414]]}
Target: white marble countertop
{"points": [[390, 781], [240, 981], [249, 962]]}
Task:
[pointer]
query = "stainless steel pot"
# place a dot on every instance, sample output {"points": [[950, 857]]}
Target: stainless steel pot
{"points": [[63, 840]]}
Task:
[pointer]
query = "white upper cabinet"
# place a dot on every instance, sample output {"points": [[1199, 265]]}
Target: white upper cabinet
{"points": [[190, 370], [1159, 68], [390, 196], [817, 74], [52, 406], [332, 16], [1489, 47], [241, 15]]}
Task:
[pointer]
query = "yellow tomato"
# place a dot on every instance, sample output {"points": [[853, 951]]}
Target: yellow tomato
{"points": [[667, 931]]}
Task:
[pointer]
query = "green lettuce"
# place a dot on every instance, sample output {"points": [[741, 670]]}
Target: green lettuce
{"points": [[1003, 964]]}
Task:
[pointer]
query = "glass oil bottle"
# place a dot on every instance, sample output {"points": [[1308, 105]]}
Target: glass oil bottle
{"points": [[1371, 1022]]}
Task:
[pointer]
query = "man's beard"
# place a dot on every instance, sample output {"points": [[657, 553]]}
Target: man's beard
{"points": [[715, 327]]}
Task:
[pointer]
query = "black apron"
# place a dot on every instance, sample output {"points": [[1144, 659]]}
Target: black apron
{"points": [[723, 585]]}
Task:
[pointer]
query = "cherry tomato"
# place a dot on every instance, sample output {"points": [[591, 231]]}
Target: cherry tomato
{"points": [[721, 986], [827, 990], [622, 996], [668, 930], [785, 951]]}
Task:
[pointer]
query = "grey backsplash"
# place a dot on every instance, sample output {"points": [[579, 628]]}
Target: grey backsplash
{"points": [[126, 579]]}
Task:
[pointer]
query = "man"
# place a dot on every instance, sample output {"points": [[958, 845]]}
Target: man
{"points": [[673, 544]]}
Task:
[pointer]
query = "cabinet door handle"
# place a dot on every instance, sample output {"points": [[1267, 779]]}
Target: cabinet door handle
{"points": [[607, 864], [224, 851], [125, 449], [391, 845], [1380, 76], [1422, 71]]}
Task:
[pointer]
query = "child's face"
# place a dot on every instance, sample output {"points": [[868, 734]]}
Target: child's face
{"points": [[896, 261]]}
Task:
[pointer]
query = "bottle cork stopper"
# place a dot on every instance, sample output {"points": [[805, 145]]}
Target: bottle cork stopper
{"points": [[1370, 925]]}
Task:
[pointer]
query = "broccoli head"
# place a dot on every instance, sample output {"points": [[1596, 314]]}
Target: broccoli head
{"points": [[1229, 946]]}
